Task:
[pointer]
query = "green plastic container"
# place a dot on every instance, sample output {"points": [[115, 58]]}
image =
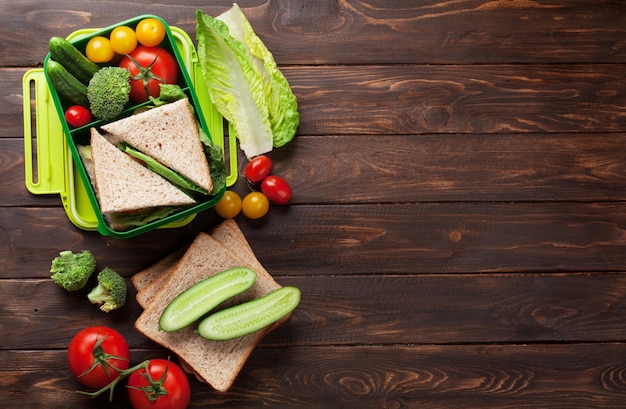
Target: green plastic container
{"points": [[52, 162]]}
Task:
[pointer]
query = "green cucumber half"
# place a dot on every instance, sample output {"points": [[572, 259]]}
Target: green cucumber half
{"points": [[205, 295], [251, 316]]}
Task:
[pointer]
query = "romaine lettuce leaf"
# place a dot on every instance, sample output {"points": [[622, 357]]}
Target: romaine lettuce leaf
{"points": [[281, 102], [233, 85]]}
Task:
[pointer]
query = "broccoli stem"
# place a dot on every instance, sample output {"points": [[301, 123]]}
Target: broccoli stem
{"points": [[99, 295], [68, 257]]}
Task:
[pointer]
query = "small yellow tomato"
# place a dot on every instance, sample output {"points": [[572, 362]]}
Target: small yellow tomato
{"points": [[99, 50], [229, 205], [123, 40], [150, 32], [255, 205]]}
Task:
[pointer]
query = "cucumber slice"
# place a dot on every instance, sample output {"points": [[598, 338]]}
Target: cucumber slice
{"points": [[205, 295], [251, 316]]}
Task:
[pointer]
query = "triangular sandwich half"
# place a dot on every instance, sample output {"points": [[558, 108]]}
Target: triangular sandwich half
{"points": [[168, 134], [128, 193]]}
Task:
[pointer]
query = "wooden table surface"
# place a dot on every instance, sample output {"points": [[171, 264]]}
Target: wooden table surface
{"points": [[458, 224]]}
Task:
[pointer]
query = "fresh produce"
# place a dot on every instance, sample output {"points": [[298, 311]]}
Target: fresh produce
{"points": [[99, 50], [71, 271], [64, 52], [123, 39], [77, 116], [243, 319], [150, 32], [108, 92], [205, 295], [110, 293], [149, 67], [255, 205], [162, 385], [229, 205], [66, 85], [258, 168], [276, 189], [244, 82], [96, 355]]}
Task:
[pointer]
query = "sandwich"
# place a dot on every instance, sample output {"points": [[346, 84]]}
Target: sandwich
{"points": [[167, 140], [128, 193], [216, 363]]}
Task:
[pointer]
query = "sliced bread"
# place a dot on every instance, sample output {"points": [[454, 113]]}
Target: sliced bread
{"points": [[168, 134], [214, 362], [122, 185]]}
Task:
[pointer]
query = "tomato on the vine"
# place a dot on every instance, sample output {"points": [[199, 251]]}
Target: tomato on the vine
{"points": [[258, 168], [276, 189], [166, 388], [148, 67], [77, 116], [99, 50], [150, 32], [255, 205], [123, 39], [96, 355]]}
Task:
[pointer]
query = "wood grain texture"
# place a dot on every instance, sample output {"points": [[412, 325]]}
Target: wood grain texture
{"points": [[365, 32], [394, 376], [359, 239], [419, 99], [458, 221], [369, 310]]}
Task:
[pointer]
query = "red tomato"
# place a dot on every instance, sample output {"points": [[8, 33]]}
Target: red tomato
{"points": [[258, 168], [77, 116], [148, 67], [96, 355], [276, 189], [164, 386]]}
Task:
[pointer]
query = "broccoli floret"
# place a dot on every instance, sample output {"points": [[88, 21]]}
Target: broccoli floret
{"points": [[108, 92], [72, 271], [110, 292]]}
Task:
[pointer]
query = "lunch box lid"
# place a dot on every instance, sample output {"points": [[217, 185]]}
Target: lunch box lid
{"points": [[49, 165]]}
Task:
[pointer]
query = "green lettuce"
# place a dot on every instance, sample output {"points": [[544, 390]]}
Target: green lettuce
{"points": [[244, 82], [176, 179]]}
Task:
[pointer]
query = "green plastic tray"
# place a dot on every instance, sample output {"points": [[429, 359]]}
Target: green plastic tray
{"points": [[50, 165]]}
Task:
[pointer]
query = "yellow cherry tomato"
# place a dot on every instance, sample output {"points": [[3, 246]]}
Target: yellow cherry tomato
{"points": [[255, 205], [150, 32], [229, 205], [123, 40], [99, 50]]}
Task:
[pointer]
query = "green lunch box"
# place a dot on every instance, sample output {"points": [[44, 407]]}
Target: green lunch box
{"points": [[52, 162]]}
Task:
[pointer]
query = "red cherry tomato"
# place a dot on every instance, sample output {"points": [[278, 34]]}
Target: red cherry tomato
{"points": [[258, 168], [276, 189], [151, 67], [94, 354], [167, 388], [77, 116]]}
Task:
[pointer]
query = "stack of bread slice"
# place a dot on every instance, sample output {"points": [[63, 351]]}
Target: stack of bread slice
{"points": [[216, 363]]}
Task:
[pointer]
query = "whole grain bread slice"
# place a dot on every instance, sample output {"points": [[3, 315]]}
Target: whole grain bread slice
{"points": [[169, 134], [214, 362], [122, 185], [149, 281]]}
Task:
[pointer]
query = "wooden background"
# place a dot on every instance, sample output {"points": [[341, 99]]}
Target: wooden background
{"points": [[458, 224]]}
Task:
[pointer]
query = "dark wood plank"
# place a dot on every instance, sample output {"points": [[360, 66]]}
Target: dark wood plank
{"points": [[358, 239], [370, 310], [440, 168], [366, 32], [438, 376], [459, 99], [419, 168], [389, 100]]}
